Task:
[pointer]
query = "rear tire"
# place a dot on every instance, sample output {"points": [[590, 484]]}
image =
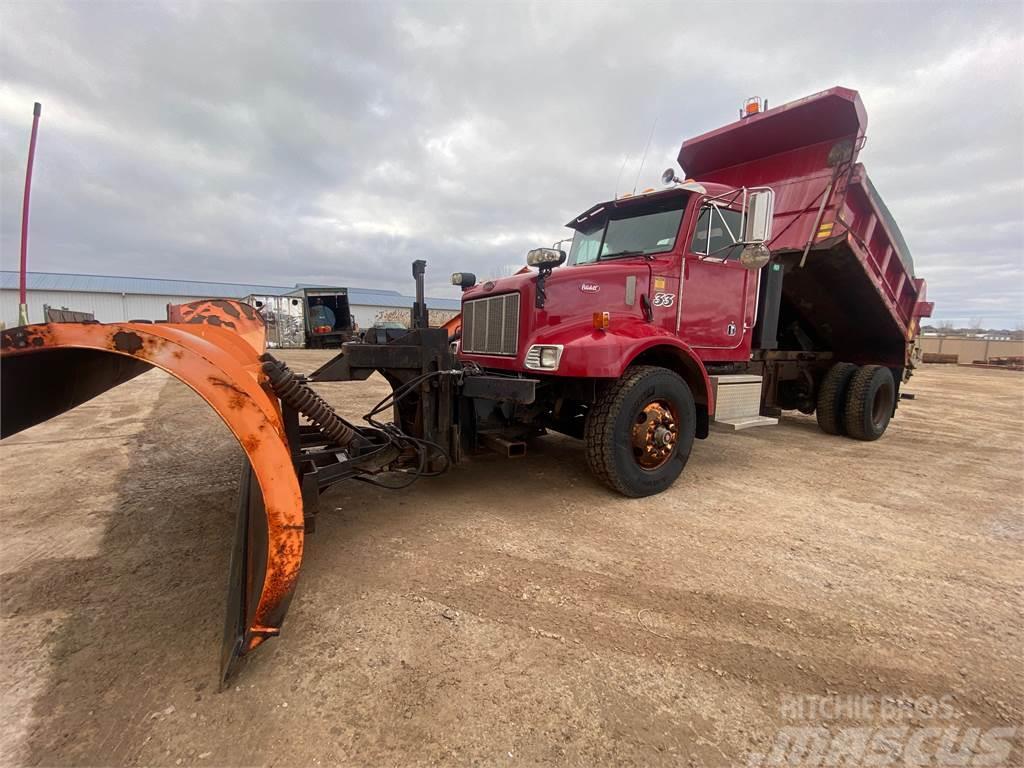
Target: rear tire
{"points": [[870, 402], [831, 408], [640, 432]]}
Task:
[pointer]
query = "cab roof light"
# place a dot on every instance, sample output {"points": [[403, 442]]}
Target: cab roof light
{"points": [[753, 106]]}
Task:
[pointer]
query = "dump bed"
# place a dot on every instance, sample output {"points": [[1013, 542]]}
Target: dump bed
{"points": [[849, 276]]}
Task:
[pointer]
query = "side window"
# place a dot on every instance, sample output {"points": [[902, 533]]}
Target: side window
{"points": [[717, 233]]}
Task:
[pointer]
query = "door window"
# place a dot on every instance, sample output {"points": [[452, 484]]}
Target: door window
{"points": [[717, 233]]}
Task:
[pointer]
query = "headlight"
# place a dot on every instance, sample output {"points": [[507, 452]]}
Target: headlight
{"points": [[543, 357], [464, 280], [545, 257]]}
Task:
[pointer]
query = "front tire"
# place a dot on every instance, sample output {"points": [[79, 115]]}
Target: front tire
{"points": [[640, 432], [870, 402]]}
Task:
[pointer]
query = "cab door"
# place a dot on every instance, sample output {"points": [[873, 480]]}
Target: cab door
{"points": [[716, 314]]}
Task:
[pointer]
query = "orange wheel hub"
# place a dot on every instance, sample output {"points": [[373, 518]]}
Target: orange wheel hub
{"points": [[655, 434]]}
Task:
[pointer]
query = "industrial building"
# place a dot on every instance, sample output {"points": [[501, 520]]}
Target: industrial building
{"points": [[113, 299]]}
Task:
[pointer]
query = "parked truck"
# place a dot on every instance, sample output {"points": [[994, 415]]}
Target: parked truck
{"points": [[312, 317], [771, 278], [328, 317]]}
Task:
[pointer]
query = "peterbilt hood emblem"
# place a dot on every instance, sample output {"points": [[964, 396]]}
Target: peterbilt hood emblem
{"points": [[590, 287]]}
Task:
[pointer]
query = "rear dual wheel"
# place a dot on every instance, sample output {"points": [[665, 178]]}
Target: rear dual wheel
{"points": [[831, 410], [870, 402], [856, 401]]}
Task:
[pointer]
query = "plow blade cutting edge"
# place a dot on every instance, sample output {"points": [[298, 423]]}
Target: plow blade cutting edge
{"points": [[214, 347]]}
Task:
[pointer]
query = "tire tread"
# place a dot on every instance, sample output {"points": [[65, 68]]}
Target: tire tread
{"points": [[599, 433], [855, 416], [833, 396]]}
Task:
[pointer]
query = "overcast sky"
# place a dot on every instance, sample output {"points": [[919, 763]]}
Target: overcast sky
{"points": [[335, 142]]}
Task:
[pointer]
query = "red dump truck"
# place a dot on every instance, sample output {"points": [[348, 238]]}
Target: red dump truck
{"points": [[771, 278]]}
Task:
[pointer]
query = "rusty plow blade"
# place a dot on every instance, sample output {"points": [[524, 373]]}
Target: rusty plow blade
{"points": [[214, 347]]}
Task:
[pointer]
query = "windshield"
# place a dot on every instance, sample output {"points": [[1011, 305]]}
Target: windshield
{"points": [[630, 232]]}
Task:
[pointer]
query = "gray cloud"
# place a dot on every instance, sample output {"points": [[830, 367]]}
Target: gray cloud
{"points": [[338, 141]]}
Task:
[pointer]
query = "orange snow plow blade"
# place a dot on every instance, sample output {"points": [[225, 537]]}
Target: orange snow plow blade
{"points": [[214, 347]]}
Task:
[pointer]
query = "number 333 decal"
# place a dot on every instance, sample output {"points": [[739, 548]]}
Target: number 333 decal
{"points": [[664, 299]]}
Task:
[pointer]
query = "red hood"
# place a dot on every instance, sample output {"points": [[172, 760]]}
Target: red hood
{"points": [[565, 283], [573, 295]]}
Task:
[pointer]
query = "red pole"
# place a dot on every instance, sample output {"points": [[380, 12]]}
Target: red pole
{"points": [[23, 302]]}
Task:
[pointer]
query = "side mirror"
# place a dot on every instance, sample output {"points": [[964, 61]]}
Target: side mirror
{"points": [[754, 256], [758, 222]]}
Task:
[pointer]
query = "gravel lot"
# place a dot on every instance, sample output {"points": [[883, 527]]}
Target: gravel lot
{"points": [[514, 610]]}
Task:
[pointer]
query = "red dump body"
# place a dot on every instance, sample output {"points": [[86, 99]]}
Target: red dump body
{"points": [[857, 260]]}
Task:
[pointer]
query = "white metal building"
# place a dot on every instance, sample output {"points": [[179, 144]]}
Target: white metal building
{"points": [[117, 299]]}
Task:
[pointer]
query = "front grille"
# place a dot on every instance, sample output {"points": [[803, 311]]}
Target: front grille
{"points": [[491, 326]]}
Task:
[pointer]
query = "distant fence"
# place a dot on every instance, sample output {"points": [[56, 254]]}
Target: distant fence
{"points": [[438, 317], [969, 350]]}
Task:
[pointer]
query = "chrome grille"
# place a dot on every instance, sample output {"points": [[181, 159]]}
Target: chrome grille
{"points": [[491, 326]]}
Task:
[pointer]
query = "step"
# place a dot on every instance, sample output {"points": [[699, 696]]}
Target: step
{"points": [[734, 425]]}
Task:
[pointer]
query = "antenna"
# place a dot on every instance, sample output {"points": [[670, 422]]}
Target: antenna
{"points": [[644, 158], [22, 301], [615, 194]]}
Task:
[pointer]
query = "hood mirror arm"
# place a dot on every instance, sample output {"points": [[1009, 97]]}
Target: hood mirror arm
{"points": [[647, 307], [542, 275]]}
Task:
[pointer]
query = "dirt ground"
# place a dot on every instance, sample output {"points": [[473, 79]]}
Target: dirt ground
{"points": [[514, 610]]}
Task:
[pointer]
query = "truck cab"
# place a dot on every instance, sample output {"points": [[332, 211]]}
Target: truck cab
{"points": [[620, 289], [614, 304]]}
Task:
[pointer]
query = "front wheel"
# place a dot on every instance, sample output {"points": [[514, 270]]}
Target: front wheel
{"points": [[640, 432]]}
